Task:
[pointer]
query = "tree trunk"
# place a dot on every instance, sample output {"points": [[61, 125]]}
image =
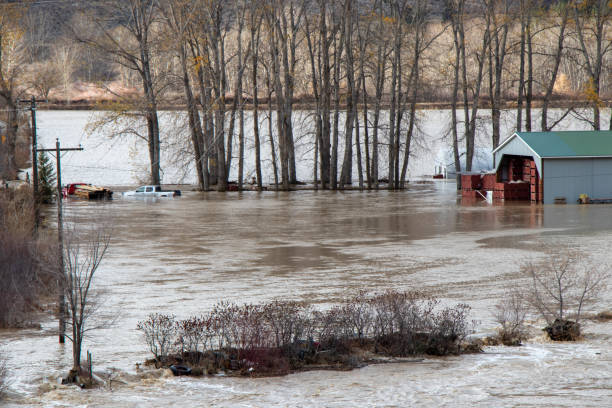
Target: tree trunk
{"points": [[358, 148], [454, 100], [255, 32], [195, 126], [209, 176], [347, 162], [498, 70], [334, 153], [553, 77], [270, 131], [151, 117], [393, 108], [521, 81], [529, 95], [380, 84]]}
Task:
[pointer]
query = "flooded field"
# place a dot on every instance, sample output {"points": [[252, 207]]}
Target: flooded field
{"points": [[183, 255]]}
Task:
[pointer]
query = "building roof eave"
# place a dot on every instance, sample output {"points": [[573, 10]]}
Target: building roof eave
{"points": [[516, 134], [608, 156]]}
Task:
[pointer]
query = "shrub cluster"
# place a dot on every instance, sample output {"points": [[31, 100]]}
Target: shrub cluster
{"points": [[280, 336], [26, 261], [510, 313]]}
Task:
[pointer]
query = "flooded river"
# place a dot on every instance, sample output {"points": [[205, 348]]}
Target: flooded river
{"points": [[183, 255]]}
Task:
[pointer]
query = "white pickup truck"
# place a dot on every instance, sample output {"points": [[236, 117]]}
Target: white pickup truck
{"points": [[151, 191]]}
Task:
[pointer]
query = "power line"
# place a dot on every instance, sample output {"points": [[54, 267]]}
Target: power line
{"points": [[100, 168]]}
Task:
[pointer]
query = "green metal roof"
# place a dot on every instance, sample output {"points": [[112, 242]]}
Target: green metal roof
{"points": [[569, 143]]}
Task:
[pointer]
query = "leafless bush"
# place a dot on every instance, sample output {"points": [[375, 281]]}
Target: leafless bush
{"points": [[329, 325], [450, 327], [357, 316], [159, 331], [401, 320], [223, 315], [288, 322], [282, 335], [393, 311], [17, 211], [510, 313], [562, 284], [194, 335], [247, 330]]}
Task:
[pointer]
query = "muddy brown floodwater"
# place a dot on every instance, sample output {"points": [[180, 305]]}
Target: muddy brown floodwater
{"points": [[183, 255]]}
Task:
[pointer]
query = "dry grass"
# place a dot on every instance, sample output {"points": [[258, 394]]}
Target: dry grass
{"points": [[25, 260]]}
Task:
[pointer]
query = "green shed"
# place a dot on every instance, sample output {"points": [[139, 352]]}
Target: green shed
{"points": [[568, 163]]}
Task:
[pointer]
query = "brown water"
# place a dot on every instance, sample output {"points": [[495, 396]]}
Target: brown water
{"points": [[183, 255]]}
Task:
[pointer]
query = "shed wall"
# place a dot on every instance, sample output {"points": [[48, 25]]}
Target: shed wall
{"points": [[571, 177]]}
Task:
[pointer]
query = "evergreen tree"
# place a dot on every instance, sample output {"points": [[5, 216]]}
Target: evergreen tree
{"points": [[46, 178]]}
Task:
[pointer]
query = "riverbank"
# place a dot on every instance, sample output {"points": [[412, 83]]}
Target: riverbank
{"points": [[308, 103], [270, 362]]}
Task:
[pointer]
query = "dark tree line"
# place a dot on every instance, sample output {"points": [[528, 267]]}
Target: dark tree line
{"points": [[363, 66]]}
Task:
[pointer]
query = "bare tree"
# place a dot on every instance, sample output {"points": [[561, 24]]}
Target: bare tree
{"points": [[338, 50], [592, 20], [457, 12], [455, 102], [213, 20], [42, 78], [319, 41], [177, 15], [11, 69], [240, 8], [420, 43], [82, 256], [124, 30], [471, 90], [349, 24], [382, 50], [255, 20], [64, 56], [497, 51], [525, 86], [563, 283], [558, 55], [283, 19], [510, 313], [270, 91]]}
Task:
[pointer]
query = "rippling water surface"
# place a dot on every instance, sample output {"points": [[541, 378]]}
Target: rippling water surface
{"points": [[183, 255]]}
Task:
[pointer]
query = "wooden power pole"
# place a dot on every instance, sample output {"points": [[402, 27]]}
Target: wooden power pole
{"points": [[35, 195], [60, 235]]}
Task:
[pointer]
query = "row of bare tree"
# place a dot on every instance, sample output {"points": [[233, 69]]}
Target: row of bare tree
{"points": [[269, 37], [570, 32], [361, 65]]}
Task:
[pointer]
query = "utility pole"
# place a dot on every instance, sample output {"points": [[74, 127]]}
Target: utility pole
{"points": [[35, 196], [60, 235]]}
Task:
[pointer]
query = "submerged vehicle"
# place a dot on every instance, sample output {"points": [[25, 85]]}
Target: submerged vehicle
{"points": [[87, 191], [152, 191]]}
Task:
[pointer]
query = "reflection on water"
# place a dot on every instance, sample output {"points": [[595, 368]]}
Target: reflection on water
{"points": [[183, 255]]}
